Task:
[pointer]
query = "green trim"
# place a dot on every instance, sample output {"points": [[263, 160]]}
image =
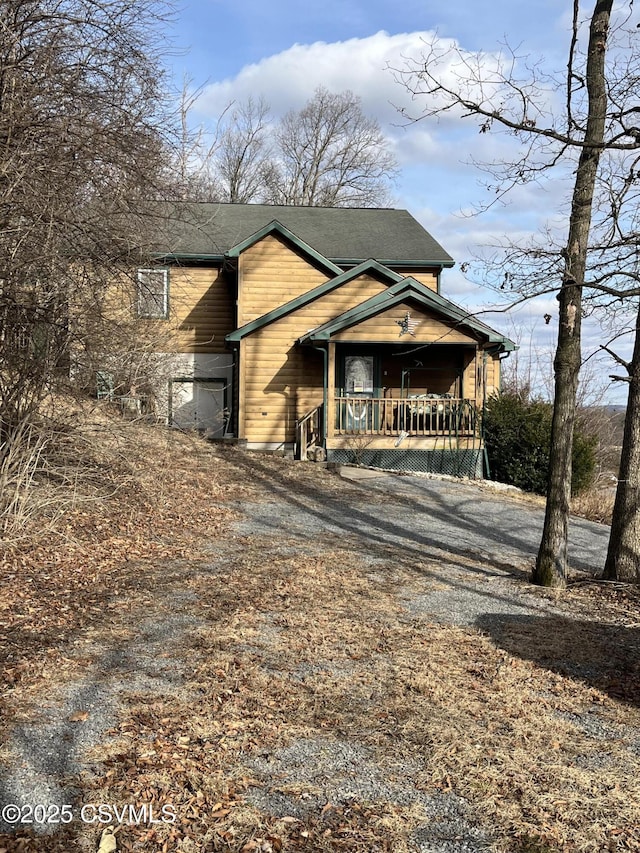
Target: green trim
{"points": [[275, 227], [511, 348], [367, 266], [325, 392], [186, 256], [395, 294], [332, 262], [394, 262]]}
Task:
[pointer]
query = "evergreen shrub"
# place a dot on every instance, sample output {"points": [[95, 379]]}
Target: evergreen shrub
{"points": [[517, 433]]}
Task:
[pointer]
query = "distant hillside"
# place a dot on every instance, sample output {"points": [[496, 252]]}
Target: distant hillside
{"points": [[607, 423]]}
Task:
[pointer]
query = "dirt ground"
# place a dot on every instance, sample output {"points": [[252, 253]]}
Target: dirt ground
{"points": [[240, 653]]}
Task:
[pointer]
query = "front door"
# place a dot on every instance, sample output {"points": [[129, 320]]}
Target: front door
{"points": [[359, 375], [360, 382]]}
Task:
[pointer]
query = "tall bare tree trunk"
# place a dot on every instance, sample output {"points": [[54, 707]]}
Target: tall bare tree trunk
{"points": [[551, 563], [623, 555]]}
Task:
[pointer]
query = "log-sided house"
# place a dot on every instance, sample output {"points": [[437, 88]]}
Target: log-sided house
{"points": [[321, 332]]}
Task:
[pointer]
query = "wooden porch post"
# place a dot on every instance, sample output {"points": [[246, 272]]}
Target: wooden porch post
{"points": [[331, 390]]}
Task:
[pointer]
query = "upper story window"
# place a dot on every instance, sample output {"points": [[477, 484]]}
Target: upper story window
{"points": [[153, 294]]}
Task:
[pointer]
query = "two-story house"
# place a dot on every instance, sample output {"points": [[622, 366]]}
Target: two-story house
{"points": [[320, 330]]}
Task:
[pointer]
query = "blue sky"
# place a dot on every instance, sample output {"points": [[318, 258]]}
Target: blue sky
{"points": [[222, 36], [284, 49]]}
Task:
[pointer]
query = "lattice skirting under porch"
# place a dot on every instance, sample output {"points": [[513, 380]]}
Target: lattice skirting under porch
{"points": [[457, 463]]}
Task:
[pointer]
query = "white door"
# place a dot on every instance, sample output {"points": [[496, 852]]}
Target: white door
{"points": [[199, 404]]}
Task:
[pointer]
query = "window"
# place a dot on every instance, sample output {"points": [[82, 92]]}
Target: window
{"points": [[153, 294]]}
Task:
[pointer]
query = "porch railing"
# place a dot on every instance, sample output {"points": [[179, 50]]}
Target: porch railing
{"points": [[309, 431], [419, 415]]}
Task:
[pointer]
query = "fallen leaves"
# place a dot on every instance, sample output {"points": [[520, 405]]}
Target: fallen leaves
{"points": [[291, 645], [79, 717], [104, 554]]}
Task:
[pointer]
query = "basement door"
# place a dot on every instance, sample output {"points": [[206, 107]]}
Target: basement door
{"points": [[200, 404]]}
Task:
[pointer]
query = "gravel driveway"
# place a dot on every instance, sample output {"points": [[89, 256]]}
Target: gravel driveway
{"points": [[430, 516], [468, 545]]}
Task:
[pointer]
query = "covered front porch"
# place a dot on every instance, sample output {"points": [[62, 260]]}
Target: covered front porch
{"points": [[383, 403], [401, 373]]}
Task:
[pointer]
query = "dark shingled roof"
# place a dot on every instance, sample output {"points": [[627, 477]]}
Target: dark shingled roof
{"points": [[341, 234]]}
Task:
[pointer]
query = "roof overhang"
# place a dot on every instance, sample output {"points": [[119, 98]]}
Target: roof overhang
{"points": [[187, 257], [408, 288], [398, 265]]}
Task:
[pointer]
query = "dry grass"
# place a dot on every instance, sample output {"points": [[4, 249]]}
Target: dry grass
{"points": [[292, 646], [595, 505]]}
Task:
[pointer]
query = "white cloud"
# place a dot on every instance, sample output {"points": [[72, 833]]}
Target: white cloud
{"points": [[288, 79], [365, 65]]}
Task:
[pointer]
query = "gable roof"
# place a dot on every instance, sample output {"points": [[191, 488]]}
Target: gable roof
{"points": [[344, 235], [275, 227], [371, 266], [407, 288]]}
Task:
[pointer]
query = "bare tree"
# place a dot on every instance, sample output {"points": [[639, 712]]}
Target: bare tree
{"points": [[192, 169], [330, 154], [551, 563], [623, 554], [244, 154], [616, 276], [83, 143], [584, 121]]}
